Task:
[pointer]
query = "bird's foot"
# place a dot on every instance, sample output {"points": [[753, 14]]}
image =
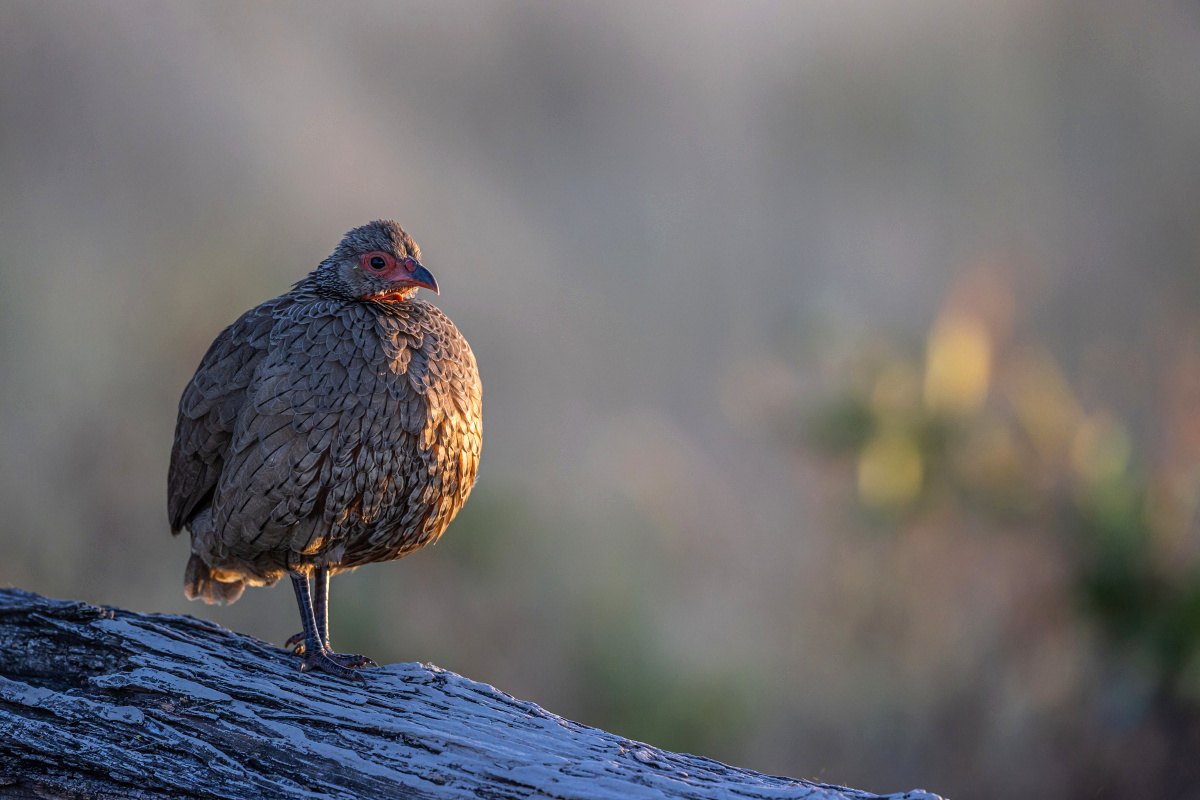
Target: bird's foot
{"points": [[323, 661], [350, 660], [297, 645]]}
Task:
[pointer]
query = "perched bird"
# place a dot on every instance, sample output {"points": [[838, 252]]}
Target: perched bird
{"points": [[331, 427]]}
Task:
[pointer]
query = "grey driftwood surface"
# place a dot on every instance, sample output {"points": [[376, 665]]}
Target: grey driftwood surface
{"points": [[103, 703]]}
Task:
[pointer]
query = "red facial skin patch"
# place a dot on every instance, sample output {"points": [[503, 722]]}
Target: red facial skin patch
{"points": [[393, 271]]}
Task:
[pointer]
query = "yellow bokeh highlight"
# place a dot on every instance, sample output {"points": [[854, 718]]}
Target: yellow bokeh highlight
{"points": [[1100, 450], [890, 471], [1044, 402], [958, 365]]}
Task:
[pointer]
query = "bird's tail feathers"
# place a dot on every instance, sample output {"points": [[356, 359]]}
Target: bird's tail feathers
{"points": [[199, 583]]}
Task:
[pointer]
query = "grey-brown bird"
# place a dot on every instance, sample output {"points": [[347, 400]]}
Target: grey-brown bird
{"points": [[334, 426]]}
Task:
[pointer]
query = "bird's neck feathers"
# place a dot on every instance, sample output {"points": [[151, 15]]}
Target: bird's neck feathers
{"points": [[324, 284]]}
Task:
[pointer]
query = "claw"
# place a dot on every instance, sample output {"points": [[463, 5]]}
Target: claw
{"points": [[295, 643]]}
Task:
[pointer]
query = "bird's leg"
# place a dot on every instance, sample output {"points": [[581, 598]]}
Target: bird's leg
{"points": [[321, 603], [316, 657], [321, 611], [320, 606]]}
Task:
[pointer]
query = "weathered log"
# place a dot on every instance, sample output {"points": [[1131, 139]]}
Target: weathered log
{"points": [[104, 703]]}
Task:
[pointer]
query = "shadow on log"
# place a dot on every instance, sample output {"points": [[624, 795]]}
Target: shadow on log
{"points": [[104, 703]]}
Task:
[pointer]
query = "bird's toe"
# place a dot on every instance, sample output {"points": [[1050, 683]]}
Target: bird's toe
{"points": [[321, 662], [351, 660]]}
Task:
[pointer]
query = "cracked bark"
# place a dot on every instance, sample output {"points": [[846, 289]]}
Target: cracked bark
{"points": [[104, 703]]}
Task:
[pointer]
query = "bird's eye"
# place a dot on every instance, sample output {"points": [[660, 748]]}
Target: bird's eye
{"points": [[377, 261]]}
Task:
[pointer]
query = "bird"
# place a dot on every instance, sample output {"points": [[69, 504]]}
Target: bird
{"points": [[337, 425]]}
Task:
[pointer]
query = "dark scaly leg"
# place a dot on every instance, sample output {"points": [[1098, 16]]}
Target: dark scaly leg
{"points": [[315, 658], [321, 611], [320, 606]]}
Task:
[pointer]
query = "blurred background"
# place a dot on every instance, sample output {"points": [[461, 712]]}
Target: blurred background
{"points": [[841, 360]]}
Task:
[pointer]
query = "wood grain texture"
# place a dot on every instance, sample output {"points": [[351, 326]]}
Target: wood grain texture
{"points": [[105, 703]]}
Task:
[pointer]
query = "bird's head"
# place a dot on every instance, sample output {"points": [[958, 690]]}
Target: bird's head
{"points": [[377, 262]]}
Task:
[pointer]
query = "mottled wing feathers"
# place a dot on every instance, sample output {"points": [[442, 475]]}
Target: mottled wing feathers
{"points": [[209, 410], [298, 435]]}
